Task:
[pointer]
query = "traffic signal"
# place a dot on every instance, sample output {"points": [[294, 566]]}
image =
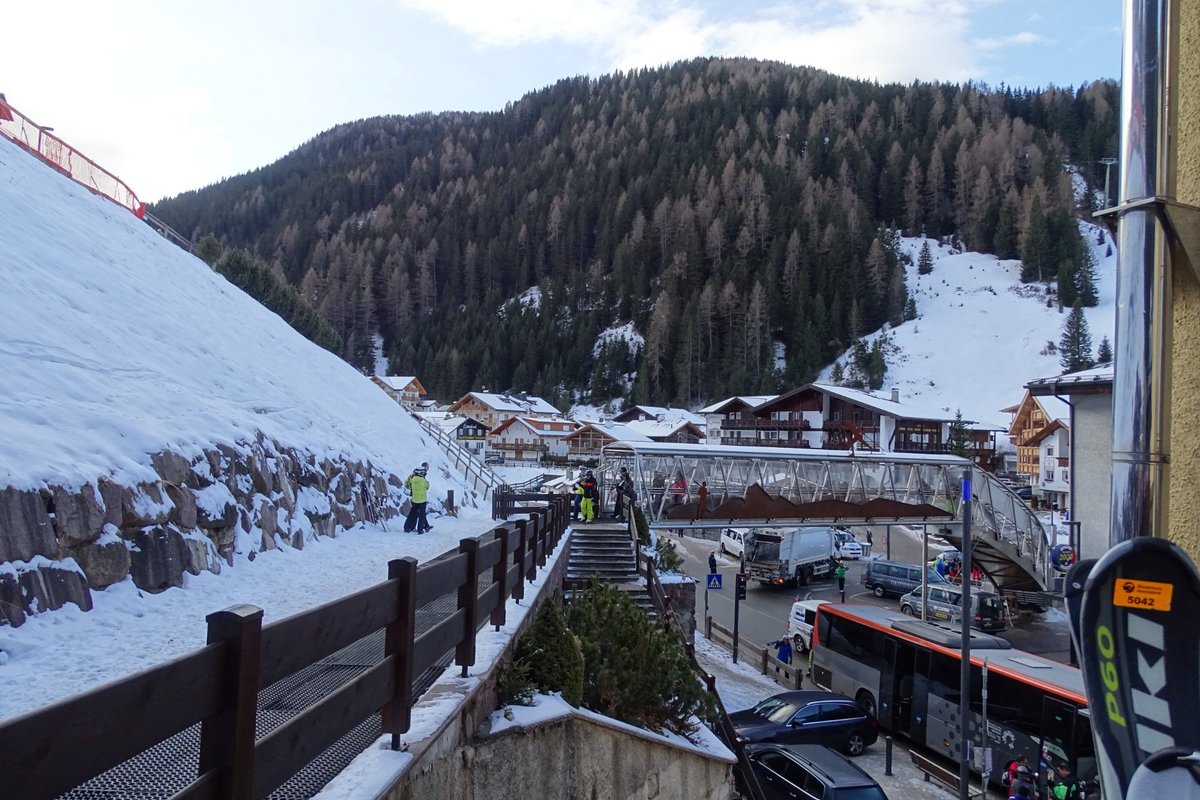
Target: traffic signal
{"points": [[740, 591]]}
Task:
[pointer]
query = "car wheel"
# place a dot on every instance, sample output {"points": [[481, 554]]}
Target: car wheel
{"points": [[879, 590], [724, 549], [855, 744], [866, 701], [907, 610]]}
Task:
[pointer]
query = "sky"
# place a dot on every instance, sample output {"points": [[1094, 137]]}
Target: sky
{"points": [[176, 96], [115, 344]]}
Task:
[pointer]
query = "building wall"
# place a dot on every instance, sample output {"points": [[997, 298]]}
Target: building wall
{"points": [[1184, 414], [1092, 455], [571, 757]]}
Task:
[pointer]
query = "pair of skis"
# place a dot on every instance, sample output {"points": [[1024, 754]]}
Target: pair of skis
{"points": [[1135, 620]]}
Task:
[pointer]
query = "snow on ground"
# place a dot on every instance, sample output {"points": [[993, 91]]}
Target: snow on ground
{"points": [[115, 344], [980, 334]]}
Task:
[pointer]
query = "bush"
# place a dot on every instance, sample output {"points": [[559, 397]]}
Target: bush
{"points": [[666, 557], [634, 670], [552, 654], [643, 527], [514, 686]]}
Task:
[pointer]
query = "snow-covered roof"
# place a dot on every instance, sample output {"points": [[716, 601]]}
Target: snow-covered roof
{"points": [[655, 412], [514, 403], [397, 382], [447, 422], [619, 431], [537, 426], [1098, 378], [654, 429], [748, 400]]}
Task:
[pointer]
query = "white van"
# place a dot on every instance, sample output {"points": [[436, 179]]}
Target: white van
{"points": [[733, 542], [800, 623]]}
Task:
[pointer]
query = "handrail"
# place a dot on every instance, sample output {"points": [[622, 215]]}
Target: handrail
{"points": [[53, 750], [38, 140], [725, 729], [472, 468]]}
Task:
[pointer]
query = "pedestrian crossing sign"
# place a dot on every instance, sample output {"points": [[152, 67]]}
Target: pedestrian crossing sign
{"points": [[714, 580]]}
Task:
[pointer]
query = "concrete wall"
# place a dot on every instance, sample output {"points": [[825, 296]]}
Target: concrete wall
{"points": [[1092, 457], [572, 757], [1183, 479]]}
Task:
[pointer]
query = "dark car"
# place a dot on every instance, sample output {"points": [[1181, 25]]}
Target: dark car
{"points": [[808, 717], [1024, 492], [809, 770], [494, 459]]}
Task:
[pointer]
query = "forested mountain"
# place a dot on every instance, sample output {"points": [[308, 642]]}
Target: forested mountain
{"points": [[742, 214]]}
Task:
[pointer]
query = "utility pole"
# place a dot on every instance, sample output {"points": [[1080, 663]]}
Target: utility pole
{"points": [[964, 688], [1108, 164]]}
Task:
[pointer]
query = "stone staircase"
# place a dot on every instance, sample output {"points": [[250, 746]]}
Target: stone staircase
{"points": [[603, 550]]}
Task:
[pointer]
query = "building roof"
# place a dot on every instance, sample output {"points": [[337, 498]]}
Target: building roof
{"points": [[635, 413], [447, 422], [1056, 425], [535, 425], [400, 382], [655, 430], [746, 400], [617, 431], [1097, 380], [900, 409], [516, 404]]}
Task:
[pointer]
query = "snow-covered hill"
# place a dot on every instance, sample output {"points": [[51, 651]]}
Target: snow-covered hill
{"points": [[980, 334], [115, 344]]}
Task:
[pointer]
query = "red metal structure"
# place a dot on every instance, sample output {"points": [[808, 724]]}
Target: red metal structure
{"points": [[38, 139]]}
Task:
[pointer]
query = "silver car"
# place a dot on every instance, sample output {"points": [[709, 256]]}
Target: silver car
{"points": [[945, 604]]}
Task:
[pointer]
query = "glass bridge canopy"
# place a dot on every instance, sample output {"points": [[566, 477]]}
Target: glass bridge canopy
{"points": [[713, 486]]}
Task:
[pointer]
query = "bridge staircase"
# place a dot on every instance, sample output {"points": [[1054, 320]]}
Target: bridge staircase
{"points": [[604, 551]]}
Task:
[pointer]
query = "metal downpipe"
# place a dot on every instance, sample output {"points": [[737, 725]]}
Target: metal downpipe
{"points": [[1140, 384]]}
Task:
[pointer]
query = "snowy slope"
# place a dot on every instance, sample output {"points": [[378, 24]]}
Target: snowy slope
{"points": [[980, 334], [115, 344]]}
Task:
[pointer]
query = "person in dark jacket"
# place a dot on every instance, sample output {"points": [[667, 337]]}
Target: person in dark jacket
{"points": [[626, 495], [591, 494]]}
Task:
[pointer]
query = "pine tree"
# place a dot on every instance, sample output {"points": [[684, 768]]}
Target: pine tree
{"points": [[910, 309], [1104, 354], [958, 435], [1085, 280], [552, 655], [1075, 346], [925, 260], [837, 375]]}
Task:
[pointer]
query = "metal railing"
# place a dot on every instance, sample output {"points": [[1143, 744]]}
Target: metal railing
{"points": [[38, 140], [482, 478]]}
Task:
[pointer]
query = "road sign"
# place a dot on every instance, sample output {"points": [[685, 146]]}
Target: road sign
{"points": [[714, 580]]}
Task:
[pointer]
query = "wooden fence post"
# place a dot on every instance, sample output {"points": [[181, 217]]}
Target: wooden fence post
{"points": [[468, 601], [522, 552], [500, 577], [541, 516], [532, 541], [227, 740], [398, 643]]}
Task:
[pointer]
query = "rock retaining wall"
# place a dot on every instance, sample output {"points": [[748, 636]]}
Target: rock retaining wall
{"points": [[57, 544]]}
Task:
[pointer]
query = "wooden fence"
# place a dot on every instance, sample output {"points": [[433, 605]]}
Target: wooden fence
{"points": [[55, 749]]}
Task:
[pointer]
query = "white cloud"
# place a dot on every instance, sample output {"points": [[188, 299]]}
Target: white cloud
{"points": [[1000, 42], [881, 39]]}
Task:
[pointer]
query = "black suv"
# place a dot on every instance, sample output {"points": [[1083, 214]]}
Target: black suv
{"points": [[808, 717], [809, 771]]}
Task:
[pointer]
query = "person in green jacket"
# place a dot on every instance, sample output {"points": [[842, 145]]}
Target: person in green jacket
{"points": [[418, 485]]}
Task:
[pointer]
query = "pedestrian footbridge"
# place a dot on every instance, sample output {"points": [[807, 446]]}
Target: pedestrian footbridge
{"points": [[715, 486]]}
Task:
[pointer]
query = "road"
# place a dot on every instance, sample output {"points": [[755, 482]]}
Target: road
{"points": [[762, 616]]}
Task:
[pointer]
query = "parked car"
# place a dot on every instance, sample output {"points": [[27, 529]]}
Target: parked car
{"points": [[845, 545], [945, 603], [808, 717], [495, 459], [1024, 492], [895, 577], [786, 772], [733, 542]]}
